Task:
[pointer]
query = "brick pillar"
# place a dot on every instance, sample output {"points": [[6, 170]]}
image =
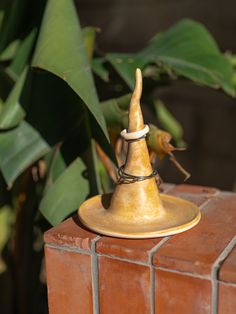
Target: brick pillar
{"points": [[193, 272]]}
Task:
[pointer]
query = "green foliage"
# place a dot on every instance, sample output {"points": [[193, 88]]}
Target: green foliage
{"points": [[51, 100], [10, 51], [54, 99], [60, 50], [56, 204], [20, 147], [186, 49], [12, 112], [169, 123]]}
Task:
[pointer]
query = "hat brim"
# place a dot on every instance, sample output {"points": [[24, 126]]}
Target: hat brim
{"points": [[179, 216]]}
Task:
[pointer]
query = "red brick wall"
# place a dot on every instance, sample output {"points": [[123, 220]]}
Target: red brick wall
{"points": [[193, 272]]}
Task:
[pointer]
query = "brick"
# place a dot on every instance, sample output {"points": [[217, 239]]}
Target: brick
{"points": [[136, 250], [228, 269], [196, 189], [69, 282], [165, 187], [123, 287], [193, 193], [179, 293], [227, 299], [227, 284], [70, 233], [198, 199], [196, 250]]}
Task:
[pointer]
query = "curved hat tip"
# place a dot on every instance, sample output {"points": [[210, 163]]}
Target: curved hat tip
{"points": [[135, 113]]}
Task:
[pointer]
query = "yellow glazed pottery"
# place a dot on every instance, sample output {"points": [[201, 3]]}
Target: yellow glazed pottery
{"points": [[136, 209]]}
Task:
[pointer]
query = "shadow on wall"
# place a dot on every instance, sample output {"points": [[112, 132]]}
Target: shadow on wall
{"points": [[208, 117]]}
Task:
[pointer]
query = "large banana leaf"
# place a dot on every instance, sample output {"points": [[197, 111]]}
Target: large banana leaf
{"points": [[80, 143], [58, 120], [14, 108], [60, 50], [58, 204], [33, 139], [186, 49], [19, 148], [61, 111]]}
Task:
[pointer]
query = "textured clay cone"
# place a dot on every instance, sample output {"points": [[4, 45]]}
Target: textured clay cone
{"points": [[138, 201]]}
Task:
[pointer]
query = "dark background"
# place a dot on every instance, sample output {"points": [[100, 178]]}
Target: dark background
{"points": [[208, 117]]}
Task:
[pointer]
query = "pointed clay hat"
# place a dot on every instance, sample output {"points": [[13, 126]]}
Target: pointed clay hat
{"points": [[136, 209]]}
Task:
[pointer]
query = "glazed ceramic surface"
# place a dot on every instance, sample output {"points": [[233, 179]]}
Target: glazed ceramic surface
{"points": [[137, 209]]}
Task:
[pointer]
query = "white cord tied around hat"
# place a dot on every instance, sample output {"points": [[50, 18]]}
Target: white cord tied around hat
{"points": [[134, 136]]}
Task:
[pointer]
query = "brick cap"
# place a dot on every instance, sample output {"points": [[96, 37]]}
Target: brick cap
{"points": [[194, 251], [70, 233]]}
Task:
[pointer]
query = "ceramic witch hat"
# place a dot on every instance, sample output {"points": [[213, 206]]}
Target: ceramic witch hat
{"points": [[136, 209]]}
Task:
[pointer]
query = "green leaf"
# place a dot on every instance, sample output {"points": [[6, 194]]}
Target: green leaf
{"points": [[12, 22], [66, 194], [105, 178], [5, 224], [52, 107], [181, 36], [65, 153], [6, 220], [126, 65], [99, 69], [188, 49], [22, 55], [10, 51], [60, 50], [116, 112], [12, 112], [19, 148], [62, 114], [6, 83], [1, 105], [169, 123], [89, 34], [55, 164]]}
